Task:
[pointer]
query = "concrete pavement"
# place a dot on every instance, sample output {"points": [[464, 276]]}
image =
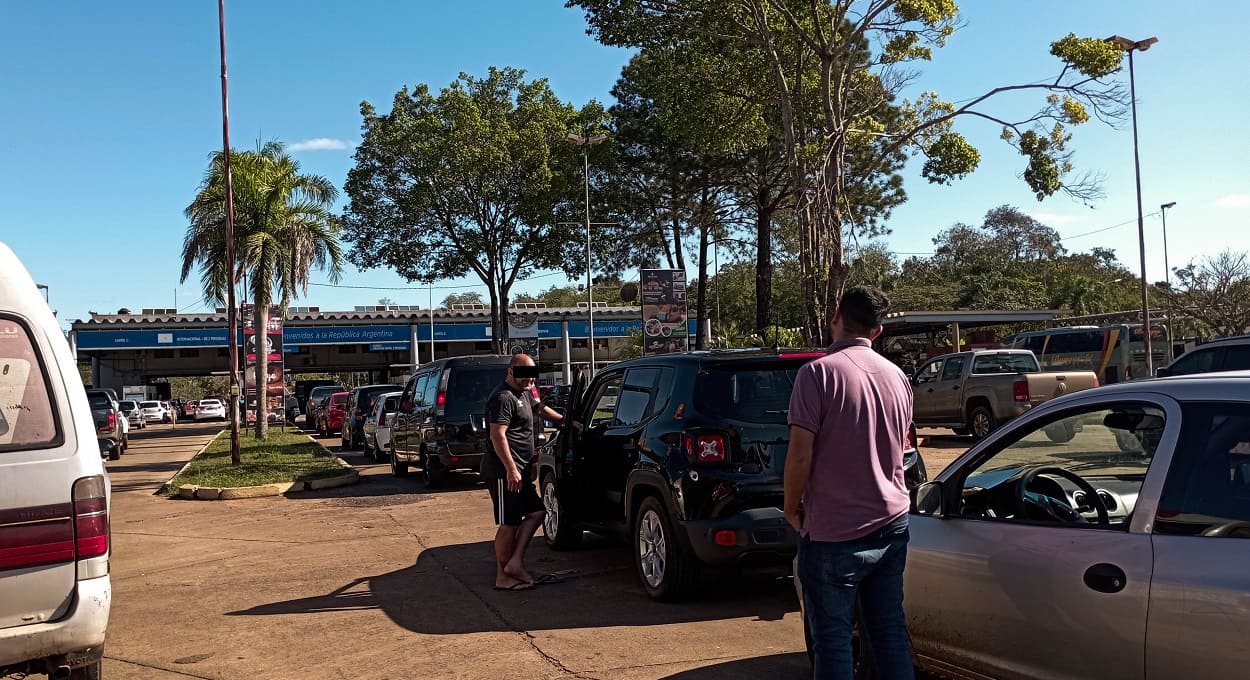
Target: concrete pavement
{"points": [[386, 579]]}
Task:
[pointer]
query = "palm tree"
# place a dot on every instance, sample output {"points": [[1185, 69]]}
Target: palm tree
{"points": [[283, 228]]}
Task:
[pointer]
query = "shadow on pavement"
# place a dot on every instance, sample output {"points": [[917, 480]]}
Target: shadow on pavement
{"points": [[946, 441], [449, 592], [792, 665]]}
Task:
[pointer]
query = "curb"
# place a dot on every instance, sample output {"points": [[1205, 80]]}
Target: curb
{"points": [[212, 493], [164, 488]]}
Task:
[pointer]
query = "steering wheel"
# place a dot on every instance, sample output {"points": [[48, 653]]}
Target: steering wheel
{"points": [[1056, 508]]}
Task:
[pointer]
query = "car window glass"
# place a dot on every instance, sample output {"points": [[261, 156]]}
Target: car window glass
{"points": [[953, 369], [470, 386], [430, 395], [1197, 361], [1207, 492], [1236, 358], [1004, 363], [416, 392], [1075, 341], [929, 372], [1110, 447], [27, 417], [750, 393], [631, 406], [602, 408], [642, 378]]}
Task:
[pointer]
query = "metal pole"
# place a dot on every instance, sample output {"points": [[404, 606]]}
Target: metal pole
{"points": [[590, 294], [1167, 269], [716, 276], [431, 322], [232, 317], [1141, 227]]}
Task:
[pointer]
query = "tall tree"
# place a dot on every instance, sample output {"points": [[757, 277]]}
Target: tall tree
{"points": [[283, 229], [1215, 292], [469, 180], [861, 49]]}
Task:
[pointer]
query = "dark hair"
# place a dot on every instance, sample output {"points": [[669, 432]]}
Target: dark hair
{"points": [[863, 308]]}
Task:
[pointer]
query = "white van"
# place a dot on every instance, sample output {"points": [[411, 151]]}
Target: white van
{"points": [[54, 495]]}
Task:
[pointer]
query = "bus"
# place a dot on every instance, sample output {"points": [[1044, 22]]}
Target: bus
{"points": [[1114, 353]]}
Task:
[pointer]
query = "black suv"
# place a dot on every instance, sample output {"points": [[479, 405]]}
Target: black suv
{"points": [[685, 453], [359, 406], [441, 421]]}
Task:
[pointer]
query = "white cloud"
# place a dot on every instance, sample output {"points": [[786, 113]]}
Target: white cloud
{"points": [[1055, 219], [319, 144], [1234, 201]]}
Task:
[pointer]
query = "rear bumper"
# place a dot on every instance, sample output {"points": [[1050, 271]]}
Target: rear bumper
{"points": [[762, 537], [75, 640], [467, 461]]}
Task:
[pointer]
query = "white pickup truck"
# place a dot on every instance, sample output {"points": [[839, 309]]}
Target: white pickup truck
{"points": [[975, 392]]}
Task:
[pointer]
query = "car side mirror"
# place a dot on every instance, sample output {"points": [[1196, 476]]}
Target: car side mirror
{"points": [[1162, 373], [926, 499]]}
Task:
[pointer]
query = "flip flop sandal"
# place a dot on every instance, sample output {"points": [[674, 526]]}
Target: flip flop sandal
{"points": [[516, 586]]}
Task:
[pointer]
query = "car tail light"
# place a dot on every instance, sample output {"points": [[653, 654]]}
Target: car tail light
{"points": [[111, 423], [91, 518], [48, 538], [726, 538], [1020, 390], [441, 399], [706, 448], [911, 439]]}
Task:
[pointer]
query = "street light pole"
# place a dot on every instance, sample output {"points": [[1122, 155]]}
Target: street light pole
{"points": [[586, 141], [232, 315], [1167, 269], [1131, 46]]}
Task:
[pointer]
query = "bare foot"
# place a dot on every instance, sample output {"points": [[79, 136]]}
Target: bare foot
{"points": [[518, 573]]}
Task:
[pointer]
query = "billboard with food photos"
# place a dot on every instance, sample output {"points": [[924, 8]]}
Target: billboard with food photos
{"points": [[664, 311]]}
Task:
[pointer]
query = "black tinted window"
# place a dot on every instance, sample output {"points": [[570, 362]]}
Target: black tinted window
{"points": [[99, 401], [429, 389], [1197, 361], [1004, 363], [1236, 358], [1207, 492], [631, 406], [469, 386], [953, 369], [1076, 341], [756, 394]]}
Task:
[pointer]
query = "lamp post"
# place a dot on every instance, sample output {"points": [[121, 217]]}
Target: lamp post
{"points": [[1132, 46], [232, 314], [587, 141], [1167, 269]]}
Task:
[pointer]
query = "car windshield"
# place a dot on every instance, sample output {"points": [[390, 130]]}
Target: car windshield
{"points": [[755, 394], [1005, 363], [469, 386], [127, 405]]}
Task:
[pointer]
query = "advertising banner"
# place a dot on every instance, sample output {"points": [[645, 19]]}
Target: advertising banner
{"points": [[664, 327], [269, 342], [523, 334]]}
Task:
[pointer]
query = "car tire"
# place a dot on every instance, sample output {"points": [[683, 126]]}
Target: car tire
{"points": [[89, 672], [398, 468], [433, 473], [115, 453], [560, 532], [981, 421], [1060, 432], [665, 571]]}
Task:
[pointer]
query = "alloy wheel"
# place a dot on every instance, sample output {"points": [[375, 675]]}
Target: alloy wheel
{"points": [[652, 548], [551, 521], [980, 424]]}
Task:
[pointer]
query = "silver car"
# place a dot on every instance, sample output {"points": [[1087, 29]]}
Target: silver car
{"points": [[377, 426], [133, 412], [1099, 536]]}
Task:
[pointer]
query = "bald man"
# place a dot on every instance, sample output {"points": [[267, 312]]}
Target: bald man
{"points": [[511, 412]]}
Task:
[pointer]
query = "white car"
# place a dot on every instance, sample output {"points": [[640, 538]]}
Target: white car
{"points": [[133, 412], [55, 592], [377, 426], [154, 412], [210, 409]]}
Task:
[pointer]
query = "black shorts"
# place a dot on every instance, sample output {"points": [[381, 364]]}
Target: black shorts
{"points": [[512, 506]]}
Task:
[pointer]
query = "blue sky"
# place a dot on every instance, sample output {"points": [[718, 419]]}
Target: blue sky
{"points": [[111, 109]]}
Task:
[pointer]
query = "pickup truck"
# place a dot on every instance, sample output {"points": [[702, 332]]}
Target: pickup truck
{"points": [[975, 392], [110, 421]]}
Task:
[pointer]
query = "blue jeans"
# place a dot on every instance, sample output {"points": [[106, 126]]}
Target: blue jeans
{"points": [[832, 574]]}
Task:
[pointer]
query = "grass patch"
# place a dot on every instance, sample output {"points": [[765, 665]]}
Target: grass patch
{"points": [[283, 457]]}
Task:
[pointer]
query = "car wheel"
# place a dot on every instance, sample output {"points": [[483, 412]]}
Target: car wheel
{"points": [[433, 473], [398, 468], [88, 672], [115, 453], [125, 442], [666, 573], [558, 527], [981, 421]]}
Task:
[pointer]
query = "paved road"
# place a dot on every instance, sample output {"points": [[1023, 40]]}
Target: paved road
{"points": [[388, 580]]}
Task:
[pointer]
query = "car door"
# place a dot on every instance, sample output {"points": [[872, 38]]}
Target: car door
{"points": [[924, 386], [619, 455], [991, 590], [404, 435], [1200, 592], [948, 403], [595, 453]]}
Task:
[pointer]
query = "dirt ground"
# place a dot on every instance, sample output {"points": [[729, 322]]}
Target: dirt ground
{"points": [[388, 580]]}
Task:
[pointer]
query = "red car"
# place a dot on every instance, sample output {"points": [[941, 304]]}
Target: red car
{"points": [[331, 417]]}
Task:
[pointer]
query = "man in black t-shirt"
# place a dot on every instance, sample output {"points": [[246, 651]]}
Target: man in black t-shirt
{"points": [[507, 469]]}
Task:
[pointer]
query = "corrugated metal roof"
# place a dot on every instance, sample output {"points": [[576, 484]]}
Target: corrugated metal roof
{"points": [[215, 319]]}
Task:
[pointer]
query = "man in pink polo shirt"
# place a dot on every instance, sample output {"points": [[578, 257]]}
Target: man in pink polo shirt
{"points": [[850, 412]]}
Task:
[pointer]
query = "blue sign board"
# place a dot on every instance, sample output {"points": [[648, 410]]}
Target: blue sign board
{"points": [[384, 337], [385, 346]]}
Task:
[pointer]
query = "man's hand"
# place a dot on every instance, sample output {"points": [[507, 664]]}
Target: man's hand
{"points": [[514, 479], [795, 518]]}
